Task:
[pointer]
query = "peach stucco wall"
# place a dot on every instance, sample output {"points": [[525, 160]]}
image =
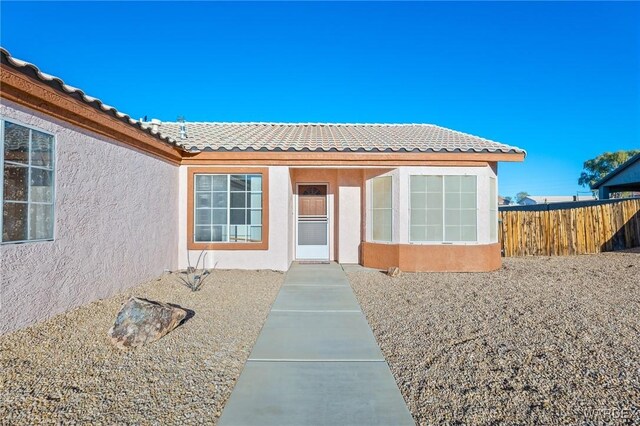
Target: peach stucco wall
{"points": [[433, 257], [349, 216], [116, 217]]}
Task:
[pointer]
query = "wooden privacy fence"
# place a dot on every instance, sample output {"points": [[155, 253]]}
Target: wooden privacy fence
{"points": [[581, 230]]}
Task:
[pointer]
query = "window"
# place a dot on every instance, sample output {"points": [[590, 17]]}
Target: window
{"points": [[443, 208], [381, 208], [228, 208], [27, 184], [493, 210]]}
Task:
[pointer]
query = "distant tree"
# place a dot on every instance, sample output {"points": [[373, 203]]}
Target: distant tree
{"points": [[597, 168], [521, 196], [507, 200]]}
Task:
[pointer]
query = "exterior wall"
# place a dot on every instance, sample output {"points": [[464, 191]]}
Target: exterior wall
{"points": [[277, 255], [629, 176], [432, 258], [344, 194], [291, 228], [349, 220], [604, 193], [480, 255], [116, 216], [350, 226]]}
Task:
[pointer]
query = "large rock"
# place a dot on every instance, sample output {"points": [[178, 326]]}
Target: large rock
{"points": [[142, 321]]}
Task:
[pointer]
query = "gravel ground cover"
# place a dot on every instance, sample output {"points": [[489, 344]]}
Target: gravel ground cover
{"points": [[541, 341], [64, 370]]}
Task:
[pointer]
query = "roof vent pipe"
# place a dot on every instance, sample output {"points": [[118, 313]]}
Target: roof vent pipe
{"points": [[155, 125], [183, 128]]}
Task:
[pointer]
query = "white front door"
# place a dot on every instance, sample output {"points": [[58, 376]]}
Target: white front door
{"points": [[312, 222]]}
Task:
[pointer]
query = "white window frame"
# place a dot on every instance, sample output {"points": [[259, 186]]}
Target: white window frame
{"points": [[228, 208], [371, 209], [4, 120], [444, 215]]}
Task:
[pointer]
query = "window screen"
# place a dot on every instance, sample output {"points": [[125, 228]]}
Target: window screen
{"points": [[228, 208], [381, 208], [443, 208], [27, 184]]}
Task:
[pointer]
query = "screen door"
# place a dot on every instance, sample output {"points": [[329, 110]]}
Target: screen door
{"points": [[312, 240]]}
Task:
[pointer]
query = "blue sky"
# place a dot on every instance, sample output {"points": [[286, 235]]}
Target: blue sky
{"points": [[561, 80]]}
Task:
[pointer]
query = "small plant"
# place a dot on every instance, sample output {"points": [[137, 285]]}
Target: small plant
{"points": [[193, 277]]}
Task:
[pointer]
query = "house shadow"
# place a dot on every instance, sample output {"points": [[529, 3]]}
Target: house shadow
{"points": [[626, 237]]}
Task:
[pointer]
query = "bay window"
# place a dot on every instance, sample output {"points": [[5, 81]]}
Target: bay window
{"points": [[381, 209], [443, 208]]}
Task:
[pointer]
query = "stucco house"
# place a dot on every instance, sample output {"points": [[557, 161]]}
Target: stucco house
{"points": [[531, 200], [94, 201], [624, 178]]}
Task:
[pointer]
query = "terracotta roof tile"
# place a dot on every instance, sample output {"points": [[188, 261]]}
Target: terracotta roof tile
{"points": [[213, 136]]}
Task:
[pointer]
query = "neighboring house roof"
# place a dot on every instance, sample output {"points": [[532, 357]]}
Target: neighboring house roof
{"points": [[622, 167], [213, 136], [502, 201], [543, 199], [56, 83]]}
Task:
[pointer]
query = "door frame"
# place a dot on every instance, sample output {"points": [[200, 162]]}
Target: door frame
{"points": [[329, 205]]}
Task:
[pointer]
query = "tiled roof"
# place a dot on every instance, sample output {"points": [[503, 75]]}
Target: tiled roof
{"points": [[56, 83], [212, 136], [207, 136]]}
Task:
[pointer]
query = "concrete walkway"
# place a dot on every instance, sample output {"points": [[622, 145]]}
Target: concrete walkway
{"points": [[316, 361]]}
